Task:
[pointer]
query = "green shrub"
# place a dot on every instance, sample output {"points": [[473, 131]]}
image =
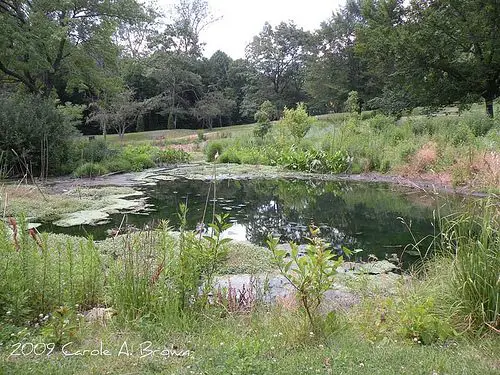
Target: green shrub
{"points": [[262, 129], [212, 149], [171, 156], [419, 322], [90, 170], [479, 125], [296, 122], [118, 164], [95, 151], [140, 157], [39, 274], [422, 125], [32, 127], [461, 135], [312, 275], [230, 155], [380, 122]]}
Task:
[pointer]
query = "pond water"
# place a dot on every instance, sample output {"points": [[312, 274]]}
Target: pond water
{"points": [[365, 216]]}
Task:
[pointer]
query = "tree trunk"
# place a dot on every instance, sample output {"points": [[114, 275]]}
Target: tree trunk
{"points": [[489, 106]]}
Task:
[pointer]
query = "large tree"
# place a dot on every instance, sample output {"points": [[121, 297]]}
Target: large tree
{"points": [[333, 69], [441, 51], [182, 34], [278, 55], [52, 46]]}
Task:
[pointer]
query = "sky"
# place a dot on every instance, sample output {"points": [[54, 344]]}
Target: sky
{"points": [[243, 19]]}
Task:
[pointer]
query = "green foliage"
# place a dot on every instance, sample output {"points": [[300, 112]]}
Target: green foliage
{"points": [[91, 170], [419, 322], [62, 326], [314, 161], [262, 129], [213, 148], [296, 122], [472, 240], [171, 156], [200, 136], [94, 151], [37, 275], [479, 125], [140, 157], [311, 274], [137, 281], [118, 164], [51, 47], [353, 103], [36, 131]]}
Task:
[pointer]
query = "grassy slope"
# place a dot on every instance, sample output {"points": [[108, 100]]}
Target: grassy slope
{"points": [[175, 135]]}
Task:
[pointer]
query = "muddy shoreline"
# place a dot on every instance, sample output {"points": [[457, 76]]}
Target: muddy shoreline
{"points": [[206, 171]]}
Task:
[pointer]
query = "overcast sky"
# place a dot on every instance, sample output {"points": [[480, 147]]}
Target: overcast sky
{"points": [[243, 19]]}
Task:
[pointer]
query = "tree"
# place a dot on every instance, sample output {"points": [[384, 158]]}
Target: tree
{"points": [[278, 55], [182, 35], [333, 70], [213, 105], [180, 86], [442, 51], [133, 38], [120, 113], [61, 46]]}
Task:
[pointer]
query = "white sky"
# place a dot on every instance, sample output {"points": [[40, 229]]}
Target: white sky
{"points": [[243, 19]]}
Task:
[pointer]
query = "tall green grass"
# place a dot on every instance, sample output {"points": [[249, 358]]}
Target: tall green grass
{"points": [[472, 239], [37, 275]]}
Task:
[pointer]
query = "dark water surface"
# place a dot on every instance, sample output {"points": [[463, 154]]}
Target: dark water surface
{"points": [[357, 215]]}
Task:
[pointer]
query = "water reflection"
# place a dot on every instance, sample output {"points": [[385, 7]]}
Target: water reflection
{"points": [[356, 215]]}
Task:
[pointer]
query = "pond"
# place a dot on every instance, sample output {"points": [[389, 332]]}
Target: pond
{"points": [[374, 217]]}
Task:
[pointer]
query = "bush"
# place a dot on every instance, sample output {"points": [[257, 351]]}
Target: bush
{"points": [[95, 151], [171, 156], [140, 157], [90, 170], [230, 155], [262, 129], [421, 126], [296, 121], [32, 127], [38, 275], [479, 125], [212, 149], [380, 122], [118, 164], [462, 135]]}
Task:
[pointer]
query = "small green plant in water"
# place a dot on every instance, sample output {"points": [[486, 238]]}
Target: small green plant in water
{"points": [[310, 274]]}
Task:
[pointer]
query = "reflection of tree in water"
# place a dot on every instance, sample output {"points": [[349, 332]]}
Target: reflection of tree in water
{"points": [[354, 215], [292, 206]]}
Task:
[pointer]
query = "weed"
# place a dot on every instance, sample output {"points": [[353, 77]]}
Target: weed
{"points": [[311, 274]]}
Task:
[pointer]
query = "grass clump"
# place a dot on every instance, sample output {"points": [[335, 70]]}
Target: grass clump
{"points": [[473, 241], [91, 170]]}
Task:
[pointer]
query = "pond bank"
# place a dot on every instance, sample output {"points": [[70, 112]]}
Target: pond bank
{"points": [[206, 171]]}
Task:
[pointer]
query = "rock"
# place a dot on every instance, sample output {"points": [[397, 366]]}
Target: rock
{"points": [[372, 268], [99, 314]]}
